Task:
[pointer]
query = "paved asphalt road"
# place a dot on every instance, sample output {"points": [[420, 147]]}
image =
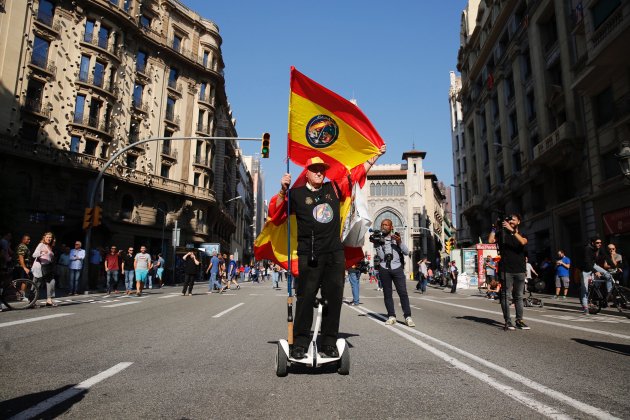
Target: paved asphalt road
{"points": [[212, 356]]}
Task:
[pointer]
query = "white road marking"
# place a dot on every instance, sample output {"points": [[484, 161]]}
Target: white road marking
{"points": [[170, 296], [557, 324], [69, 393], [511, 392], [228, 310], [39, 318], [120, 304]]}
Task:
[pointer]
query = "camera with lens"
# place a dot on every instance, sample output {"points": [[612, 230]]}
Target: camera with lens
{"points": [[389, 257], [377, 237], [502, 218]]}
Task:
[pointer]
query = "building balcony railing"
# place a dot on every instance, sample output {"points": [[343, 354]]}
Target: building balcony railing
{"points": [[175, 85], [563, 134], [138, 105], [201, 161], [96, 81], [183, 51], [48, 20], [104, 126], [41, 62], [608, 27], [169, 152], [172, 118], [101, 42], [35, 106], [203, 129]]}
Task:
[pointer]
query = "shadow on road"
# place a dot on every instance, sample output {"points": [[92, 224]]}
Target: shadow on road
{"points": [[10, 408], [601, 345], [487, 321]]}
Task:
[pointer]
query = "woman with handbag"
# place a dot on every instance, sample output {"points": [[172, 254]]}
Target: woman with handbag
{"points": [[43, 266]]}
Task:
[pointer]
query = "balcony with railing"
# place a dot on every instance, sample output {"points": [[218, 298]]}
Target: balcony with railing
{"points": [[140, 106], [40, 61], [174, 85], [202, 161], [608, 27], [171, 118], [35, 106], [169, 152], [102, 125], [546, 150], [101, 42], [97, 81], [203, 129], [48, 21]]}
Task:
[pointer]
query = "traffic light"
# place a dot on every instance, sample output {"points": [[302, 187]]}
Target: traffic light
{"points": [[264, 148], [452, 242], [447, 245], [97, 216], [87, 218]]}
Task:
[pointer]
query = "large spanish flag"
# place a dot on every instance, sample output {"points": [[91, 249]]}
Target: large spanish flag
{"points": [[323, 124]]}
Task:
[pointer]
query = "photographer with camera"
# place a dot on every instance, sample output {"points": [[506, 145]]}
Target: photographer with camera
{"points": [[391, 251], [354, 276], [511, 245]]}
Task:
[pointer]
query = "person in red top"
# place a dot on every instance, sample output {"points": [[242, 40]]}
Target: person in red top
{"points": [[112, 268]]}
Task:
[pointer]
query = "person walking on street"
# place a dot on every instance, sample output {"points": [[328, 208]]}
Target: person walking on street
{"points": [[391, 252], [213, 269], [43, 266], [128, 262], [23, 254], [563, 264], [354, 274], [423, 274], [453, 272], [159, 270], [112, 268], [191, 270], [142, 265], [512, 269], [77, 256], [232, 273]]}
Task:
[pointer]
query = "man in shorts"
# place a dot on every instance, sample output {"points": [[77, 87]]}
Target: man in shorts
{"points": [[142, 265], [563, 264]]}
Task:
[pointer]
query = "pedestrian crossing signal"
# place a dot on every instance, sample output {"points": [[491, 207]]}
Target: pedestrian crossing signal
{"points": [[264, 148], [87, 218]]}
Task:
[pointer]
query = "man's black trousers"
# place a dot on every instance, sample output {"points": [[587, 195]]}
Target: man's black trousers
{"points": [[329, 275]]}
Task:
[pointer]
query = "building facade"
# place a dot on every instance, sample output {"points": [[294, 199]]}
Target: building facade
{"points": [[544, 97], [411, 197], [81, 80]]}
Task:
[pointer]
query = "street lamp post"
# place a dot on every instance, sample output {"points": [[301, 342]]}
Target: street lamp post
{"points": [[162, 250], [99, 177]]}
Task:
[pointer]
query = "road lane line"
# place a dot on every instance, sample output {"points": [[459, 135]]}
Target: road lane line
{"points": [[170, 296], [557, 324], [120, 304], [228, 310], [39, 318], [588, 409], [70, 393]]}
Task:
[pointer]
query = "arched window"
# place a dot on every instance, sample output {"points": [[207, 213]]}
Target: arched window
{"points": [[390, 189], [387, 214], [372, 188], [402, 188], [126, 207], [377, 189]]}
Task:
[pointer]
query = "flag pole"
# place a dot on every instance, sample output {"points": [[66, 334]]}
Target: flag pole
{"points": [[289, 271]]}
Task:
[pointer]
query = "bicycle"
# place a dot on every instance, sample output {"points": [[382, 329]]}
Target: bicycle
{"points": [[19, 294], [596, 300]]}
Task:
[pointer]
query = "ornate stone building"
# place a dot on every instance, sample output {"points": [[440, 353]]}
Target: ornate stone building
{"points": [[81, 79], [544, 96], [413, 200]]}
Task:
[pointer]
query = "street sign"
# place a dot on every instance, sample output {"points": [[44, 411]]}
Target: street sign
{"points": [[176, 233]]}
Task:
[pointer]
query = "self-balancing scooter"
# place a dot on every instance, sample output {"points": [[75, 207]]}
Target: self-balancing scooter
{"points": [[313, 357]]}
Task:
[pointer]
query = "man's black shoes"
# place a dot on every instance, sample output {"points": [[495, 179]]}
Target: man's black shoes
{"points": [[330, 351], [298, 352]]}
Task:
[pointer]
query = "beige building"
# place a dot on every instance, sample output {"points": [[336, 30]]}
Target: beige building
{"points": [[411, 197], [544, 97], [79, 81]]}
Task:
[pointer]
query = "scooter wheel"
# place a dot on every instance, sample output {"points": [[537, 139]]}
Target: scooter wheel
{"points": [[344, 363], [282, 362]]}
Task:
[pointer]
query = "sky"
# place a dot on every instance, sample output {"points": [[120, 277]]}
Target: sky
{"points": [[393, 57]]}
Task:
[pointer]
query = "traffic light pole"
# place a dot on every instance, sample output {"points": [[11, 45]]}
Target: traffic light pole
{"points": [[101, 174]]}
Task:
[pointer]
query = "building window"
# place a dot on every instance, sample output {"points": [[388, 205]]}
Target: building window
{"points": [[509, 87], [84, 69], [138, 91], [141, 61], [610, 166], [602, 9], [177, 42], [103, 37], [500, 174], [516, 161], [30, 131], [134, 131], [488, 185], [164, 171], [126, 207], [79, 108], [530, 106], [75, 142], [603, 107], [114, 2], [145, 21], [170, 109], [99, 74], [206, 55], [46, 12], [513, 124], [40, 52], [196, 179], [95, 112], [172, 77], [34, 94], [202, 91], [90, 147], [200, 118], [132, 161], [372, 188], [127, 5], [89, 30]]}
